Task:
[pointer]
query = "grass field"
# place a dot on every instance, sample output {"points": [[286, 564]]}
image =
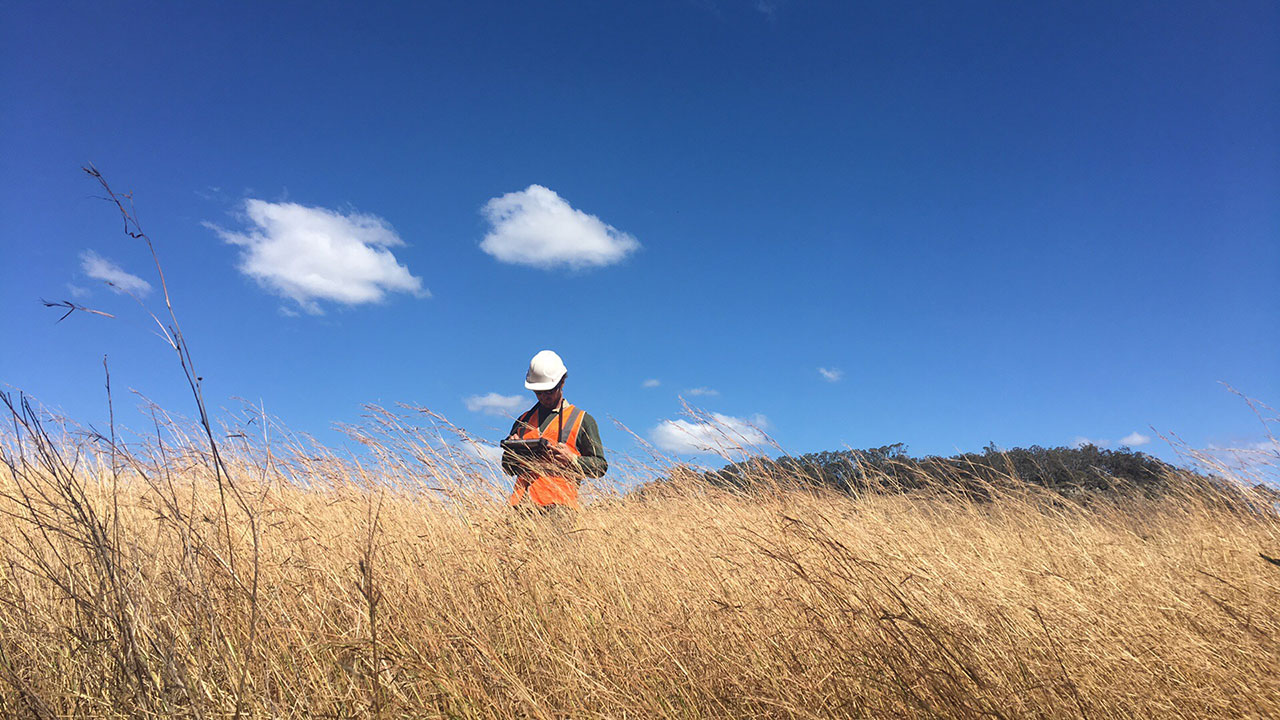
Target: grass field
{"points": [[140, 582]]}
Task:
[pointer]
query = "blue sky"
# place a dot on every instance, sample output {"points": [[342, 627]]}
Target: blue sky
{"points": [[987, 222]]}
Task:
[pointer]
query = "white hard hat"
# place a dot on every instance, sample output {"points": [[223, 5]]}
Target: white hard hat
{"points": [[546, 370]]}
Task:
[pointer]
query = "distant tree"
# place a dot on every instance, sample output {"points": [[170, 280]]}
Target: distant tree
{"points": [[889, 468]]}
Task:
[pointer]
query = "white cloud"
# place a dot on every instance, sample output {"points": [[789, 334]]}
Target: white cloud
{"points": [[100, 268], [651, 383], [491, 454], [308, 254], [495, 404], [831, 374], [211, 192], [77, 291], [1248, 447], [702, 392], [1134, 439], [1251, 461], [720, 432], [536, 227]]}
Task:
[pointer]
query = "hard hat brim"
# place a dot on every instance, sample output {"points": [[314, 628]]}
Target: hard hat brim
{"points": [[540, 386]]}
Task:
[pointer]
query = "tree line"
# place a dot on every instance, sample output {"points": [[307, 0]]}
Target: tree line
{"points": [[890, 468]]}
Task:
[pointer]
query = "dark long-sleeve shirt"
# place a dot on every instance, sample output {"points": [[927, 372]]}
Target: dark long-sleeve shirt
{"points": [[591, 461]]}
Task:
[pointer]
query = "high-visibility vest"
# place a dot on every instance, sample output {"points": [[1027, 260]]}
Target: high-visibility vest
{"points": [[550, 489]]}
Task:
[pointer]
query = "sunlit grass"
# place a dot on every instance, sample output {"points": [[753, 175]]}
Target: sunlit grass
{"points": [[401, 586]]}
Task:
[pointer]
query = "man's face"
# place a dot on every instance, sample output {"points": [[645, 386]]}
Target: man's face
{"points": [[549, 399]]}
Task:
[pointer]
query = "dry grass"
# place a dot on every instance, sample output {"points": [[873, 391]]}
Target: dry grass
{"points": [[244, 572], [399, 586]]}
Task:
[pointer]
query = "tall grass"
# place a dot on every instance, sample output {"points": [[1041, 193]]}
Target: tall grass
{"points": [[201, 571], [395, 583]]}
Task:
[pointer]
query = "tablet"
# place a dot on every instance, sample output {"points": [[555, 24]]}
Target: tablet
{"points": [[527, 448]]}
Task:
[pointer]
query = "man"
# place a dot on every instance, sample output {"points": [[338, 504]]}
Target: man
{"points": [[574, 451]]}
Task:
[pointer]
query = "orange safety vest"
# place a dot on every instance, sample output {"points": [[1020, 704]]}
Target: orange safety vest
{"points": [[550, 489]]}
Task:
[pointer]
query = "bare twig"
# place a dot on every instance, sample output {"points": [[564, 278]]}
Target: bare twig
{"points": [[73, 307]]}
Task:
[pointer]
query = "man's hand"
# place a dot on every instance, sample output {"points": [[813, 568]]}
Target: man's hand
{"points": [[561, 455]]}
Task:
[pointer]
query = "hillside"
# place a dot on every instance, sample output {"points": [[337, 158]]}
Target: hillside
{"points": [[143, 579]]}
